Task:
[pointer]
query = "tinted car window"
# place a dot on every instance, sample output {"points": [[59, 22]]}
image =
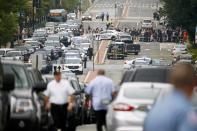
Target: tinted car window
{"points": [[21, 80], [141, 93], [151, 75]]}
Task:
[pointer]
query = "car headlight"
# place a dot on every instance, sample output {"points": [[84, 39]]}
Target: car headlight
{"points": [[23, 105]]}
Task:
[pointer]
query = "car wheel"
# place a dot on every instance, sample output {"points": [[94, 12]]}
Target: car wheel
{"points": [[136, 53]]}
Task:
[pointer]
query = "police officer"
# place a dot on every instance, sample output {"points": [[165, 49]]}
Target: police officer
{"points": [[59, 99], [174, 112]]}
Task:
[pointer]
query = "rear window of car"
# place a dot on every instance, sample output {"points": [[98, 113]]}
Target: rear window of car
{"points": [[141, 93], [151, 75]]}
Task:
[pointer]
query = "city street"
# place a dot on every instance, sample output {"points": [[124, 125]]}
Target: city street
{"points": [[129, 16], [140, 52]]}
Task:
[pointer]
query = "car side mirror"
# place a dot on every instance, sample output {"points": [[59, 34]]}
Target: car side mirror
{"points": [[40, 87], [8, 82]]}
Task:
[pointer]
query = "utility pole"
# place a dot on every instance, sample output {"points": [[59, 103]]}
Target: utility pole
{"points": [[33, 15]]}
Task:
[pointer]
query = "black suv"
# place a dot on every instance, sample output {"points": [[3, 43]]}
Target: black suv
{"points": [[6, 85], [26, 109]]}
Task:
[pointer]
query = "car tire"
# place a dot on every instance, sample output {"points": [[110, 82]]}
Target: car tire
{"points": [[136, 53]]}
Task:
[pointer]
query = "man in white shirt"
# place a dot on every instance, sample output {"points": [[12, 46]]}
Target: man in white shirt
{"points": [[59, 98]]}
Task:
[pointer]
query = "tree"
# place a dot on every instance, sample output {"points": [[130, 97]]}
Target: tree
{"points": [[9, 18], [70, 5], [181, 13]]}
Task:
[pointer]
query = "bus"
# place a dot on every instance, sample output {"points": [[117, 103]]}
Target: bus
{"points": [[57, 15]]}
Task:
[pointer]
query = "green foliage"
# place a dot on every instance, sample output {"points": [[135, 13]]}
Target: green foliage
{"points": [[8, 18], [181, 13], [8, 26], [70, 5]]}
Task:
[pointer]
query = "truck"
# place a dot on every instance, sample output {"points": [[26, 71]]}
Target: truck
{"points": [[133, 48], [116, 50]]}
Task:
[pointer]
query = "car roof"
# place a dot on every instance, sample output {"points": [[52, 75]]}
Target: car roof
{"points": [[6, 49], [146, 85]]}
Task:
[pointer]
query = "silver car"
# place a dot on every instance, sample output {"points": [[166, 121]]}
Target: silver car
{"points": [[128, 111]]}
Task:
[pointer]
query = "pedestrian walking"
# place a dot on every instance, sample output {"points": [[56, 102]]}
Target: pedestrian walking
{"points": [[107, 16], [175, 113], [102, 16], [102, 90], [59, 99], [90, 53]]}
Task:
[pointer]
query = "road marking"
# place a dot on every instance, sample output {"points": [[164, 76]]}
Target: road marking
{"points": [[87, 77]]}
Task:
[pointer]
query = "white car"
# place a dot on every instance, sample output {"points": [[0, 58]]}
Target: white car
{"points": [[74, 65], [179, 49], [108, 35], [72, 16], [134, 100], [13, 55], [4, 51], [128, 64], [147, 24]]}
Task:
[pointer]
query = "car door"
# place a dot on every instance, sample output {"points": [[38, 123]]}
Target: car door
{"points": [[4, 103]]}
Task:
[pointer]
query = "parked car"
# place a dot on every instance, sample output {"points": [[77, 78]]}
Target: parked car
{"points": [[134, 100], [25, 108], [116, 50], [86, 17], [147, 24], [71, 16], [46, 121], [108, 35], [99, 15], [3, 51], [141, 61], [14, 55], [7, 84], [187, 58]]}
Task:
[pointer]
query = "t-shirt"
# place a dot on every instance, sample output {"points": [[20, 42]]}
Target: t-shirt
{"points": [[101, 88], [58, 92]]}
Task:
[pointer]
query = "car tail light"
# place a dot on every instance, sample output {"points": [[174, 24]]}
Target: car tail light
{"points": [[123, 107]]}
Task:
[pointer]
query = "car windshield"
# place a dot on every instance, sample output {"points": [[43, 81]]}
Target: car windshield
{"points": [[151, 75], [125, 37], [52, 44], [82, 41], [147, 21], [158, 62], [72, 61], [141, 93], [40, 34], [2, 52], [141, 63], [12, 54], [21, 80], [53, 38]]}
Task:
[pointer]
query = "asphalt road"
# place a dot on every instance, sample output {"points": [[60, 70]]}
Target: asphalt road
{"points": [[130, 14]]}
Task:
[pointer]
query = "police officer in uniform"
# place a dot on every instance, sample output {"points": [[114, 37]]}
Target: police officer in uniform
{"points": [[174, 112], [59, 99]]}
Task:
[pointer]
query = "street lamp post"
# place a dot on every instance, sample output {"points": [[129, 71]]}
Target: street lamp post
{"points": [[33, 15]]}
